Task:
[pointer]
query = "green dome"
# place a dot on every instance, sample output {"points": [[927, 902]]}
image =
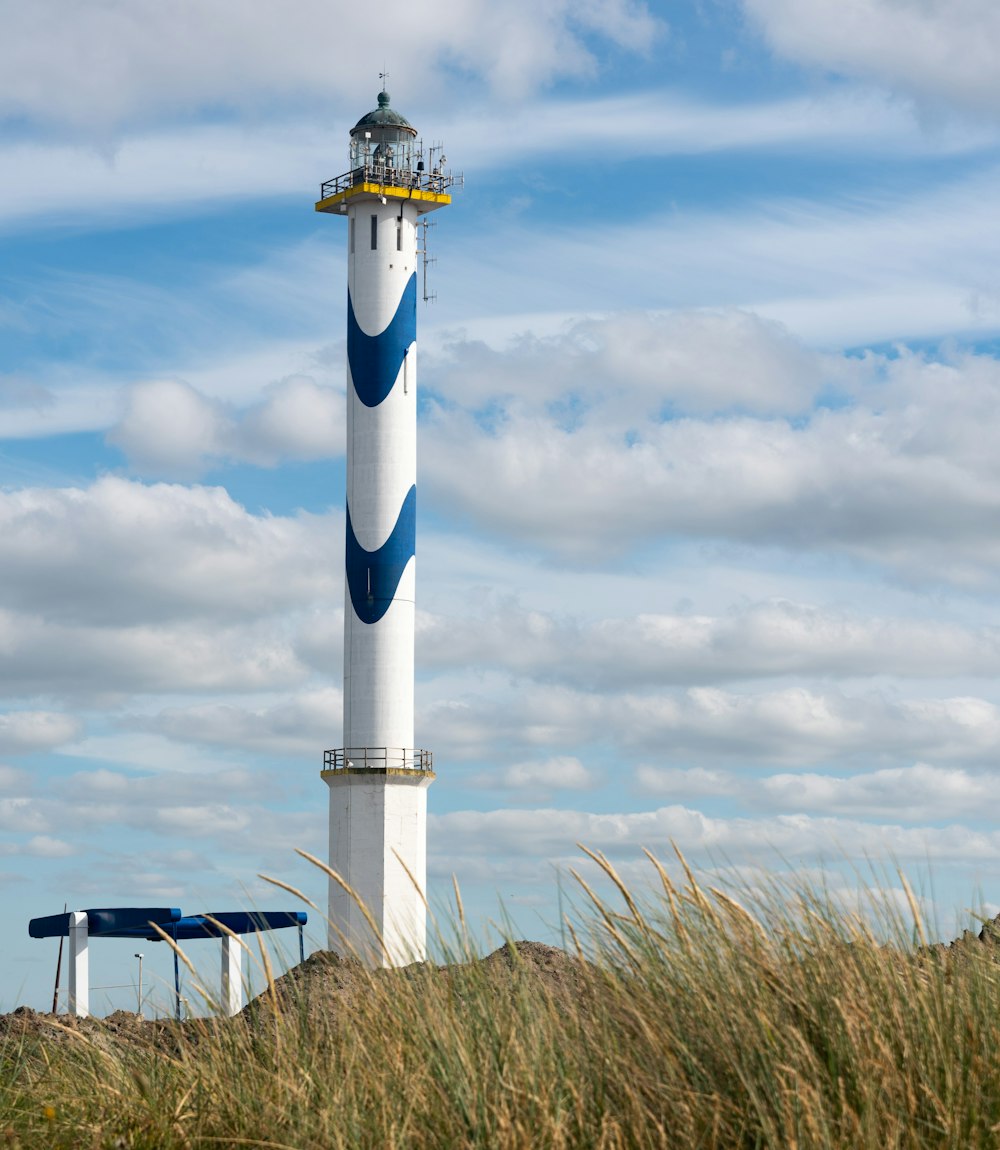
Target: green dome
{"points": [[383, 117]]}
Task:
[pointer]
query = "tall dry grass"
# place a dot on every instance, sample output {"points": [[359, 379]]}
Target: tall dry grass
{"points": [[690, 1019]]}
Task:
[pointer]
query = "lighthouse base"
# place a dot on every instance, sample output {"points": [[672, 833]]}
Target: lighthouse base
{"points": [[378, 846]]}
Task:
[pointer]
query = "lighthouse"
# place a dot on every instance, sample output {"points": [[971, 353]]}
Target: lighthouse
{"points": [[378, 780]]}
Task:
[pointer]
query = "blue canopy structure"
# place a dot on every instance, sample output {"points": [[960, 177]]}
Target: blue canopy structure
{"points": [[238, 921], [138, 922], [152, 923], [109, 922]]}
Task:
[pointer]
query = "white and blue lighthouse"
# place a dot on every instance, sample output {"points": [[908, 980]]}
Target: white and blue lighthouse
{"points": [[378, 780]]}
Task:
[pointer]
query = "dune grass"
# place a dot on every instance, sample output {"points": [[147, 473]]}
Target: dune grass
{"points": [[688, 1020]]}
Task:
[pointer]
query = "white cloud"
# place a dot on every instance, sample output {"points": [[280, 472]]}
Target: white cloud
{"points": [[18, 391], [167, 169], [551, 833], [912, 794], [692, 361], [259, 833], [796, 726], [12, 779], [201, 819], [87, 661], [147, 751], [22, 816], [540, 777], [842, 269], [319, 641], [303, 726], [106, 64], [25, 731], [208, 783], [124, 553], [664, 121], [297, 420], [44, 846], [688, 783], [168, 428], [238, 811], [940, 51], [750, 641], [164, 169], [895, 472], [171, 429], [918, 793], [879, 269]]}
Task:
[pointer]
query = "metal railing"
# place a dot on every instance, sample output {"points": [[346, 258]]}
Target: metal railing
{"points": [[378, 759], [386, 176]]}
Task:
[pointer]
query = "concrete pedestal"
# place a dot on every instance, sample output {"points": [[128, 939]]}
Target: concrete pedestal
{"points": [[378, 832]]}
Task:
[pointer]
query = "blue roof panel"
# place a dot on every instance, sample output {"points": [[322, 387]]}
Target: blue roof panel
{"points": [[107, 922], [134, 922]]}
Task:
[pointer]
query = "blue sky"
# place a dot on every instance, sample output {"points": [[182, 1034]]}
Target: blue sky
{"points": [[708, 488]]}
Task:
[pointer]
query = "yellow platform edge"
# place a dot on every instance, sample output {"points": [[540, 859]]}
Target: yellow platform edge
{"points": [[376, 772], [331, 203]]}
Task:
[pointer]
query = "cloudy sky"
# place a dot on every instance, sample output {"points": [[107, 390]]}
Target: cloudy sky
{"points": [[708, 541]]}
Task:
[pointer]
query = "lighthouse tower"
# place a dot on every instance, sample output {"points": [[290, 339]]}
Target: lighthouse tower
{"points": [[378, 780]]}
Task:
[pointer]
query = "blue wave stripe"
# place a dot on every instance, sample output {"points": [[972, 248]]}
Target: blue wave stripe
{"points": [[376, 359], [373, 576]]}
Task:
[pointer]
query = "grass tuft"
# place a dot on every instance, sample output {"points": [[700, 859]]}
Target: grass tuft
{"points": [[695, 1018]]}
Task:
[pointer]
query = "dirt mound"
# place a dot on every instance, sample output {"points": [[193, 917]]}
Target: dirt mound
{"points": [[120, 1030], [25, 1023], [987, 941], [547, 961], [558, 972], [326, 983]]}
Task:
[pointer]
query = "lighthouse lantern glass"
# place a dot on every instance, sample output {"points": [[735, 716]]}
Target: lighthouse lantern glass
{"points": [[383, 149]]}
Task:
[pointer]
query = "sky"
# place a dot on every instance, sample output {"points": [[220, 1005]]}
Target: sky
{"points": [[709, 496]]}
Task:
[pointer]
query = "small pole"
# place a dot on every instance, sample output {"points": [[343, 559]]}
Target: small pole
{"points": [[139, 957], [302, 945], [55, 992], [177, 978]]}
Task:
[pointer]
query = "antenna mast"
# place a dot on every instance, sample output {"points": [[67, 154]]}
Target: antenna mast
{"points": [[425, 226]]}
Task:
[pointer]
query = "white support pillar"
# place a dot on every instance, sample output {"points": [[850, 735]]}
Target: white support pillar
{"points": [[79, 965], [231, 998]]}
